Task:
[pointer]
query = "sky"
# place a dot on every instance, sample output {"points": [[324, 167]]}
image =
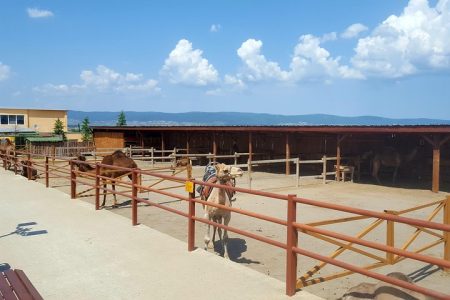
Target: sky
{"points": [[350, 57]]}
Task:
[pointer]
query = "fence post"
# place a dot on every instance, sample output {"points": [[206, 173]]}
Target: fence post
{"points": [[152, 151], [249, 168], [134, 194], [209, 157], [446, 233], [324, 169], [97, 186], [291, 241], [191, 224], [297, 171], [390, 238], [235, 158], [47, 183], [73, 183], [29, 166]]}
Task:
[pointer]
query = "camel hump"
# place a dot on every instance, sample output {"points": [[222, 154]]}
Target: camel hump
{"points": [[118, 154]]}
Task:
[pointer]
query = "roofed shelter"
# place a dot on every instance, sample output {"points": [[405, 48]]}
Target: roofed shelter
{"points": [[307, 142]]}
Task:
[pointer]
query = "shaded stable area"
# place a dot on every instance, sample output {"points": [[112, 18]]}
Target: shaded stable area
{"points": [[419, 155]]}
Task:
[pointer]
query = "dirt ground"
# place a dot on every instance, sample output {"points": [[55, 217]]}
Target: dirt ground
{"points": [[270, 260]]}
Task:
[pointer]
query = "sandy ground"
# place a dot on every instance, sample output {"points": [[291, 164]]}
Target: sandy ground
{"points": [[271, 260]]}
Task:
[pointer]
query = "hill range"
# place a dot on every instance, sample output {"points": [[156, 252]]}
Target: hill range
{"points": [[238, 118]]}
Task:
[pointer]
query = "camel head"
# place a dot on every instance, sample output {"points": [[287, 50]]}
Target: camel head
{"points": [[224, 172]]}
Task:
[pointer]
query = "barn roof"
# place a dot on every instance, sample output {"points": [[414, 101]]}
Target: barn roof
{"points": [[419, 129]]}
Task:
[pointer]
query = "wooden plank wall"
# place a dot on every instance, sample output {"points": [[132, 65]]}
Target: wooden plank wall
{"points": [[109, 139]]}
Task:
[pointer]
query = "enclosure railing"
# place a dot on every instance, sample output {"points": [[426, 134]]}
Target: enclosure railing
{"points": [[99, 176]]}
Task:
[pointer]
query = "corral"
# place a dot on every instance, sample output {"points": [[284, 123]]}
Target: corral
{"points": [[423, 152], [268, 204]]}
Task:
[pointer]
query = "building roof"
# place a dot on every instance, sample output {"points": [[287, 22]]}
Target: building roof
{"points": [[25, 108], [13, 130], [290, 128], [44, 139]]}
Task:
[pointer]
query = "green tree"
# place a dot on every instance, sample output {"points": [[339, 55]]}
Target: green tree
{"points": [[86, 133], [121, 120], [58, 129]]}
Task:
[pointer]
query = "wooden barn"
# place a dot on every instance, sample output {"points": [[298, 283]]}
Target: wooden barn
{"points": [[423, 151]]}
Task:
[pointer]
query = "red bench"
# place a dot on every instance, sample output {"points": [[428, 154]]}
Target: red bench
{"points": [[15, 285]]}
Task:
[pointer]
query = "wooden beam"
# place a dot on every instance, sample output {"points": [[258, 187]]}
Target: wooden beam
{"points": [[288, 155], [214, 148], [250, 147], [187, 142], [338, 158], [436, 164]]}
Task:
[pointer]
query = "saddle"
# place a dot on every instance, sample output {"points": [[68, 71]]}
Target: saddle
{"points": [[206, 190]]}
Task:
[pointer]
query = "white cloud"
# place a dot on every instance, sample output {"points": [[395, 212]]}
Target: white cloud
{"points": [[187, 66], [5, 71], [215, 28], [39, 13], [353, 30], [311, 61], [256, 66], [104, 79], [332, 36], [417, 40]]}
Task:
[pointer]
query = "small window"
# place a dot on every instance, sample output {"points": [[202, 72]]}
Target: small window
{"points": [[4, 119], [20, 120], [12, 119]]}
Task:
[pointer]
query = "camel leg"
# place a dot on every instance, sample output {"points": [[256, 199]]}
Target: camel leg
{"points": [[394, 176], [226, 221], [113, 184], [375, 169], [208, 232]]}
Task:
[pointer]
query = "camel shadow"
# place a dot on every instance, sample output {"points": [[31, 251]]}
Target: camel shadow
{"points": [[423, 273], [236, 247]]}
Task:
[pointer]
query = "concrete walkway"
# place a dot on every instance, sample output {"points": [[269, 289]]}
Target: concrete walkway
{"points": [[75, 252]]}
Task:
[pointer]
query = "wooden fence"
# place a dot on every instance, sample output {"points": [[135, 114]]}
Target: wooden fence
{"points": [[393, 253]]}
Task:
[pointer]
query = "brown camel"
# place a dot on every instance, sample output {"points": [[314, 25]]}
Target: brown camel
{"points": [[117, 159], [389, 157], [225, 174], [383, 290], [6, 149]]}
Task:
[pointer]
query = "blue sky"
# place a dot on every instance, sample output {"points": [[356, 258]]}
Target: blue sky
{"points": [[386, 58]]}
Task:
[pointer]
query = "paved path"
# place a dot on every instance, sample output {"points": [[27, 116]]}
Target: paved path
{"points": [[75, 252]]}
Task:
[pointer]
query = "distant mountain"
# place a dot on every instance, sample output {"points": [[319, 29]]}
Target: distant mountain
{"points": [[238, 118]]}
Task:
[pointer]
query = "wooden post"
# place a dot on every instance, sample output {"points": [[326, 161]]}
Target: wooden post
{"points": [[235, 158], [53, 154], [324, 169], [297, 171], [163, 145], [152, 151], [191, 221], [436, 163], [214, 150], [47, 182], [187, 143], [134, 194], [288, 155], [291, 241], [390, 238], [249, 168], [447, 233], [338, 159], [73, 183], [97, 187], [250, 147]]}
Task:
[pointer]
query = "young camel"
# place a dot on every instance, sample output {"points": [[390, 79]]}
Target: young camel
{"points": [[7, 149], [119, 159], [225, 174]]}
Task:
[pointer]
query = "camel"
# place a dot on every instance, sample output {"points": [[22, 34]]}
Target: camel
{"points": [[6, 149], [224, 175], [389, 157], [383, 290], [118, 159]]}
